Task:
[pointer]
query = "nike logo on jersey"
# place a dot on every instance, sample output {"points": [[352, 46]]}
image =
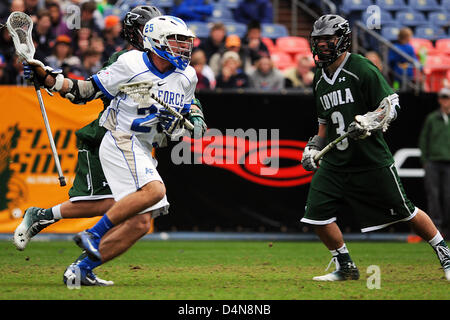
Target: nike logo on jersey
{"points": [[160, 83], [336, 98]]}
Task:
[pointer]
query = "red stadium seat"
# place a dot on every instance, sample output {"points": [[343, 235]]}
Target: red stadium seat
{"points": [[419, 43], [293, 45], [436, 70], [443, 46], [282, 60], [269, 44]]}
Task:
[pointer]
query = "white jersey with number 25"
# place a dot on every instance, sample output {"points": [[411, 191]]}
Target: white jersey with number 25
{"points": [[175, 87]]}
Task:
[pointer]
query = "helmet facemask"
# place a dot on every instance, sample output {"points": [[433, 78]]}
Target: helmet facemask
{"points": [[170, 39], [327, 31]]}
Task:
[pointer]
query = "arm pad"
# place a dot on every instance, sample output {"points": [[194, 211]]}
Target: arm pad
{"points": [[82, 91]]}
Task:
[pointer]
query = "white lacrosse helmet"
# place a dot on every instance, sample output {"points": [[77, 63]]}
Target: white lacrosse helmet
{"points": [[170, 38]]}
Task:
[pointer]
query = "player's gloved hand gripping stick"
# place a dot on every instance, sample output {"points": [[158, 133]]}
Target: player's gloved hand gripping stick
{"points": [[140, 92], [20, 26], [363, 125]]}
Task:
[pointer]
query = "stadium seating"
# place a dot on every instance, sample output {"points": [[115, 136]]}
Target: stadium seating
{"points": [[443, 46], [221, 13], [419, 43], [390, 32], [200, 29], [349, 6], [429, 32], [439, 18], [231, 4], [239, 29], [445, 5], [273, 30], [384, 18], [391, 5], [269, 44], [293, 45], [424, 5], [410, 18], [165, 4], [436, 70], [282, 60]]}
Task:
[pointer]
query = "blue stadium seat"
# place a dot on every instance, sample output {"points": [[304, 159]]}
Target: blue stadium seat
{"points": [[200, 29], [221, 13], [411, 18], [445, 5], [430, 32], [349, 6], [231, 4], [439, 18], [237, 28], [166, 4], [390, 33], [384, 18], [391, 5], [273, 30], [424, 5]]}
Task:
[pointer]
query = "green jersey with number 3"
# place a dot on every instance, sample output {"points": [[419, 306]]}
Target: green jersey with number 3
{"points": [[356, 88]]}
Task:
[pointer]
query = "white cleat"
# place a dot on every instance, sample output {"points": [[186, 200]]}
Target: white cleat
{"points": [[349, 271], [34, 220]]}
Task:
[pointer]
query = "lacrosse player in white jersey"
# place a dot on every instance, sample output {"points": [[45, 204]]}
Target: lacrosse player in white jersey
{"points": [[168, 45], [125, 151]]}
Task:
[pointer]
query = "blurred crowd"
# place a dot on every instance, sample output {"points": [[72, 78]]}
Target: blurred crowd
{"points": [[79, 36]]}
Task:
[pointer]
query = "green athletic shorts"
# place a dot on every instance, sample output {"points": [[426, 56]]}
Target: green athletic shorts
{"points": [[376, 198], [90, 182]]}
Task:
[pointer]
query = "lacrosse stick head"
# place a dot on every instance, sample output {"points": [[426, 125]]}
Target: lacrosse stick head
{"points": [[139, 92], [378, 119], [20, 25]]}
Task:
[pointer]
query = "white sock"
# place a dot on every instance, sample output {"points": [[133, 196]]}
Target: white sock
{"points": [[436, 240], [56, 210], [342, 249]]}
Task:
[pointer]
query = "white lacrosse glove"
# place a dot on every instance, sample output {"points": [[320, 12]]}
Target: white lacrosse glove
{"points": [[357, 131], [49, 71], [313, 147]]}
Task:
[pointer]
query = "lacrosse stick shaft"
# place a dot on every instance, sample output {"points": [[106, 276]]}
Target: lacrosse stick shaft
{"points": [[173, 112], [330, 146], [62, 180]]}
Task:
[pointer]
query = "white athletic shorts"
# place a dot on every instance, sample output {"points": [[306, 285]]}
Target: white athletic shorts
{"points": [[128, 166]]}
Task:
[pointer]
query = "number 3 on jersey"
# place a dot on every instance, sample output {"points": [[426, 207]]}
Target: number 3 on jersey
{"points": [[338, 119]]}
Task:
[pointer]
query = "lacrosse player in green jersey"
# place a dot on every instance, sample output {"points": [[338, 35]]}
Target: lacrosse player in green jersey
{"points": [[90, 194], [359, 173]]}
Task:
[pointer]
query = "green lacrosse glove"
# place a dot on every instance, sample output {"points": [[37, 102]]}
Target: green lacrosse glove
{"points": [[197, 118]]}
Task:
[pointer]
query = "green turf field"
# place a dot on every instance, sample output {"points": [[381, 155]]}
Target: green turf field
{"points": [[222, 270]]}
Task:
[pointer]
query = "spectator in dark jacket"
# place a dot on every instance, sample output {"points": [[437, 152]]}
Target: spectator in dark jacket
{"points": [[58, 25], [253, 43], [249, 10], [216, 40], [42, 33]]}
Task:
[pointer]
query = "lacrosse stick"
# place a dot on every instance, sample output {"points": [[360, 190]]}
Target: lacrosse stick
{"points": [[20, 26], [140, 92], [373, 120]]}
